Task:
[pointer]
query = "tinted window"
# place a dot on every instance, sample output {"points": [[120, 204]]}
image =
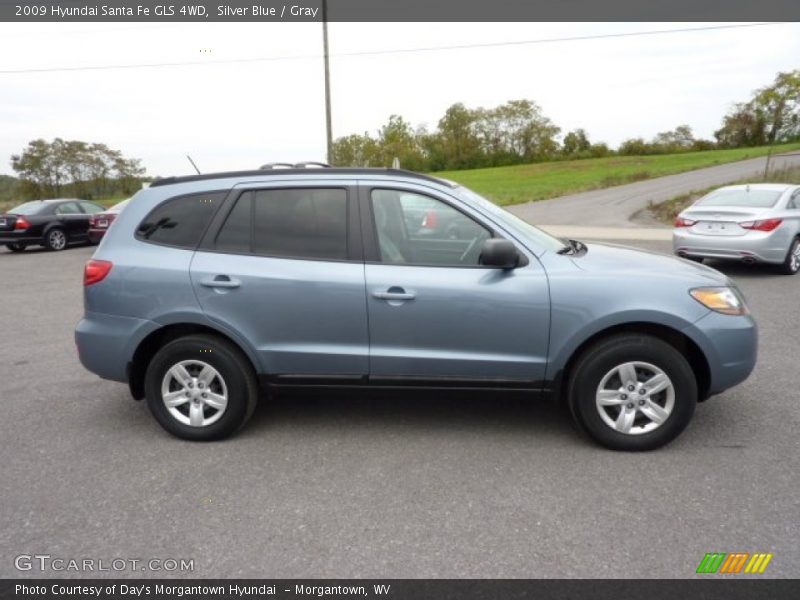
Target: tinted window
{"points": [[68, 208], [741, 197], [180, 221], [301, 223], [28, 208], [90, 208], [235, 234], [414, 229]]}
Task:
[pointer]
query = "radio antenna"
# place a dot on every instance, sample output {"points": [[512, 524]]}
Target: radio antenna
{"points": [[194, 165]]}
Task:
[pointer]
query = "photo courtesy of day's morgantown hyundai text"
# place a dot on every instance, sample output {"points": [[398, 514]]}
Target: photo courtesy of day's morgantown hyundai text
{"points": [[210, 288]]}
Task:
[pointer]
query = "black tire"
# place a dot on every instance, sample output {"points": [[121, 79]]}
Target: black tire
{"points": [[233, 367], [16, 247], [55, 239], [791, 264], [601, 358], [697, 259]]}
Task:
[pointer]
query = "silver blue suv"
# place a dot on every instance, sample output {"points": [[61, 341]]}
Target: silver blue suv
{"points": [[211, 288]]}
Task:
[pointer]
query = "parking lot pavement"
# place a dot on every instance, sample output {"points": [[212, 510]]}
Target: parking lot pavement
{"points": [[336, 485]]}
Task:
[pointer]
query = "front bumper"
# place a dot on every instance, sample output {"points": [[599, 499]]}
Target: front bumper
{"points": [[730, 345], [761, 246]]}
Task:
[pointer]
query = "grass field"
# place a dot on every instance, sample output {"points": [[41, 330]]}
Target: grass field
{"points": [[538, 181]]}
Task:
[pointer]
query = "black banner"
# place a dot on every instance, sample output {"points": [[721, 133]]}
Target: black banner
{"points": [[400, 589], [399, 10]]}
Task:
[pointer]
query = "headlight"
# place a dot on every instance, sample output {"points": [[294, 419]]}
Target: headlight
{"points": [[723, 300]]}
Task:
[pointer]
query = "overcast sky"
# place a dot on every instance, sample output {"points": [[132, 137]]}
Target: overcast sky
{"points": [[241, 115]]}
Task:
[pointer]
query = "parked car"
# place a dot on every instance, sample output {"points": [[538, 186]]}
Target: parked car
{"points": [[50, 223], [210, 288], [100, 222], [755, 223]]}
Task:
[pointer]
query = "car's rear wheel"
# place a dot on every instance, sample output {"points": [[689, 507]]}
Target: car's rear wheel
{"points": [[55, 239], [200, 387], [632, 392], [791, 264], [16, 247]]}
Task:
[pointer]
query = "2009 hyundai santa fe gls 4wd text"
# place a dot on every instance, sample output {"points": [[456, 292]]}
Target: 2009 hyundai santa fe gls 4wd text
{"points": [[211, 287]]}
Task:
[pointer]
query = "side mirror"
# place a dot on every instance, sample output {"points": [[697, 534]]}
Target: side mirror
{"points": [[499, 253]]}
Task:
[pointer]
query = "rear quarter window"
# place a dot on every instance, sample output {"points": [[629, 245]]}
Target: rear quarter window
{"points": [[180, 221]]}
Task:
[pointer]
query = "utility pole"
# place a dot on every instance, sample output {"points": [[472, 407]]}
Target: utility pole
{"points": [[328, 132], [769, 155]]}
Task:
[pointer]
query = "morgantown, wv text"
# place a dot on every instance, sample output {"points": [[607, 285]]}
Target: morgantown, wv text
{"points": [[233, 590]]}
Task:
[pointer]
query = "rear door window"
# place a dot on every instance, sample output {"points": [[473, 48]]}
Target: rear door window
{"points": [[68, 208], [180, 221]]}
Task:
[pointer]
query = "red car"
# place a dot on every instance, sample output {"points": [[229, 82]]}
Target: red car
{"points": [[100, 222]]}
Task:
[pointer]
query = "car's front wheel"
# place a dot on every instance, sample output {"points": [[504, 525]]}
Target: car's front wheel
{"points": [[791, 264], [16, 247], [632, 392], [200, 387]]}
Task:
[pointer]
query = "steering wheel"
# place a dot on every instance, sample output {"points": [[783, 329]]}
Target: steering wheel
{"points": [[472, 246]]}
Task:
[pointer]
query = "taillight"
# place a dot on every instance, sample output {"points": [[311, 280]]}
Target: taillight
{"points": [[95, 271], [22, 223], [764, 225], [681, 222]]}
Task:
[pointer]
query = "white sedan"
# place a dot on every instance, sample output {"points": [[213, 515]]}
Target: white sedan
{"points": [[754, 223]]}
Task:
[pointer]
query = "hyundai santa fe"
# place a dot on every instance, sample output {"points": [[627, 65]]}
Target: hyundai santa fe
{"points": [[211, 288]]}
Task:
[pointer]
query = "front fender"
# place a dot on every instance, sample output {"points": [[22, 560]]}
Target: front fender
{"points": [[568, 335]]}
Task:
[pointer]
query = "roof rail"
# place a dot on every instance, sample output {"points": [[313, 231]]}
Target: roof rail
{"points": [[301, 165], [293, 170]]}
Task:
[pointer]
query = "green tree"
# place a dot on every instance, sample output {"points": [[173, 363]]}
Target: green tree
{"points": [[456, 144], [356, 151], [576, 142], [772, 115], [398, 140], [52, 169], [679, 139]]}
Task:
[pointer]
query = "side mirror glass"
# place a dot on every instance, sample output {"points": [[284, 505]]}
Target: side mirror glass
{"points": [[499, 253]]}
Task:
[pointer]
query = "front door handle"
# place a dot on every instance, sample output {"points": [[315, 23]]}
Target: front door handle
{"points": [[393, 293], [221, 281]]}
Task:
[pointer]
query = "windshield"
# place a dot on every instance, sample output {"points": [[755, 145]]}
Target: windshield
{"points": [[741, 197], [28, 208], [545, 240]]}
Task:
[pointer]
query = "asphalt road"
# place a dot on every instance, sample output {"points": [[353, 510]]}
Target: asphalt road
{"points": [[334, 485], [613, 207]]}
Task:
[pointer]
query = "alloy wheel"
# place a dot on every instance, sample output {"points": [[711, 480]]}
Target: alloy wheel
{"points": [[635, 398], [57, 239], [194, 393]]}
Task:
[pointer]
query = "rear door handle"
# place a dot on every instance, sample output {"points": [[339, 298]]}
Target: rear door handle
{"points": [[393, 293], [220, 281]]}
